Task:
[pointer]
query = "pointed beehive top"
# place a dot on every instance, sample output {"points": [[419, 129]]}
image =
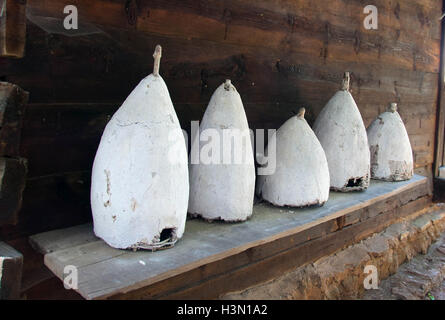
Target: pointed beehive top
{"points": [[227, 84], [392, 107], [301, 113]]}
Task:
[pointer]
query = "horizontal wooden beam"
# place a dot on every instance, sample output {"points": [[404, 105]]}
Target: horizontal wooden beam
{"points": [[284, 25]]}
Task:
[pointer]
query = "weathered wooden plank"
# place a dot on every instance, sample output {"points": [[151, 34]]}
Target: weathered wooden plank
{"points": [[12, 184], [219, 21], [54, 130], [67, 133], [12, 106], [270, 230], [196, 283], [81, 256], [57, 240], [282, 262], [422, 142], [12, 28], [193, 77], [130, 46], [11, 264]]}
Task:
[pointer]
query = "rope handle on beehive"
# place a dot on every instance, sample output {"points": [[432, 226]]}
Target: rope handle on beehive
{"points": [[393, 107], [227, 84], [157, 56], [301, 113], [346, 81]]}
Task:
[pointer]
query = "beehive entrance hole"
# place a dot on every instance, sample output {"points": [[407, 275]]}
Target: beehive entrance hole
{"points": [[168, 234], [354, 182]]}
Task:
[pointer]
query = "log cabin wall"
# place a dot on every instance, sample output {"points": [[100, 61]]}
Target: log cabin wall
{"points": [[280, 54]]}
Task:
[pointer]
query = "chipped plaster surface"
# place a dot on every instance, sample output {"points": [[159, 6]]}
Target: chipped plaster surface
{"points": [[137, 190], [301, 177], [224, 191], [391, 153], [341, 132]]}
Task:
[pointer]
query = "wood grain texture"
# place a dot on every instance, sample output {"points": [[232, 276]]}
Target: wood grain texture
{"points": [[282, 262], [209, 251], [12, 107], [280, 54], [439, 159], [12, 183], [11, 264], [12, 28]]}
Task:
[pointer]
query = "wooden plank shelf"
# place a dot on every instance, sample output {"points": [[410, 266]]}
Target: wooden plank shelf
{"points": [[216, 258]]}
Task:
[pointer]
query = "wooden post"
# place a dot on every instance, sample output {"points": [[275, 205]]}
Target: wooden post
{"points": [[13, 169], [12, 28], [11, 264], [12, 108], [440, 115], [12, 183]]}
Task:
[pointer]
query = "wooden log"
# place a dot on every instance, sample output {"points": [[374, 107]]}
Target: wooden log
{"points": [[115, 63], [54, 129], [273, 24], [72, 131], [12, 106], [12, 28], [52, 202], [439, 156], [11, 264], [12, 184]]}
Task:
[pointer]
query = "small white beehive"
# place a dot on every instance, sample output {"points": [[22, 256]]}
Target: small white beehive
{"points": [[301, 177], [140, 186], [224, 188], [391, 153], [341, 132]]}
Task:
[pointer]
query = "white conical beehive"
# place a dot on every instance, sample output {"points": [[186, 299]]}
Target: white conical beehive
{"points": [[391, 153], [301, 177], [341, 132], [224, 190], [140, 187]]}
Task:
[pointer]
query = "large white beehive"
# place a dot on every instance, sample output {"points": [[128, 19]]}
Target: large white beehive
{"points": [[301, 177], [224, 190], [391, 153], [341, 132], [140, 187]]}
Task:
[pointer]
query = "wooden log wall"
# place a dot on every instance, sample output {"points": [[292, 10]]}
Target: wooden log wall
{"points": [[280, 54]]}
